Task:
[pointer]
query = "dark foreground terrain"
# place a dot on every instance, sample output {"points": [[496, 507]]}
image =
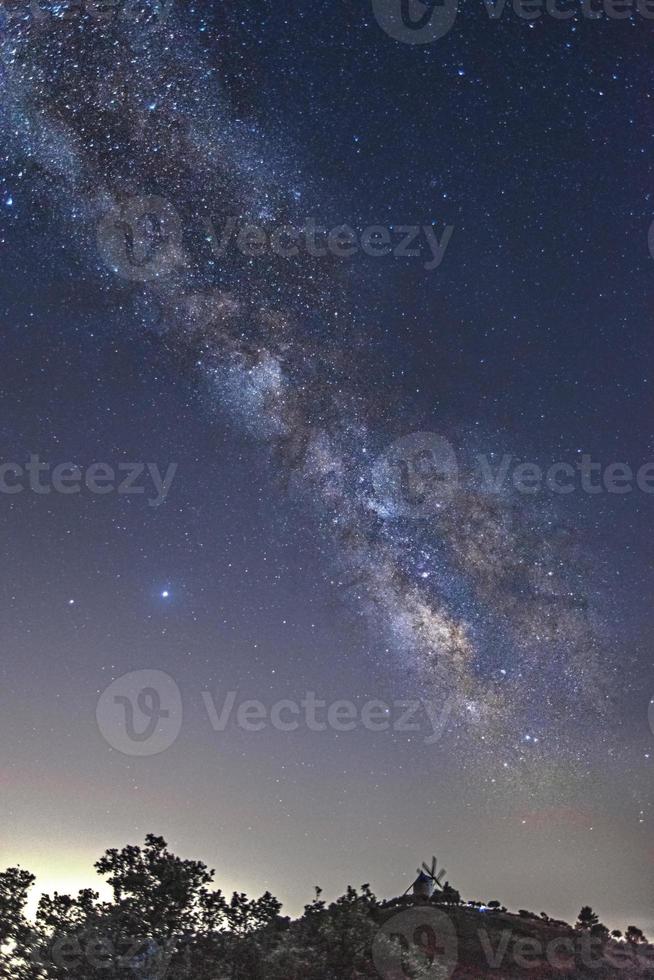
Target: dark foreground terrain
{"points": [[166, 922]]}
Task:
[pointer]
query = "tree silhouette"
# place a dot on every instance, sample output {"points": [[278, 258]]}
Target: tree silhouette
{"points": [[449, 895], [14, 886], [165, 921], [14, 932], [599, 930], [587, 918]]}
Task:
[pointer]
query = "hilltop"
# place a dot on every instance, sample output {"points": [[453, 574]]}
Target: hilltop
{"points": [[166, 922]]}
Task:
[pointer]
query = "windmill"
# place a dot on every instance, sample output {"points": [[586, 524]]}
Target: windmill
{"points": [[427, 881]]}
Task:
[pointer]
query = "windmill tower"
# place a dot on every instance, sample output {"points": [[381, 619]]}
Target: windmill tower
{"points": [[427, 881]]}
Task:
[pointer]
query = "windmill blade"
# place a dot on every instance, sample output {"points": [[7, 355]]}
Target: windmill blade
{"points": [[430, 869], [438, 877], [412, 884]]}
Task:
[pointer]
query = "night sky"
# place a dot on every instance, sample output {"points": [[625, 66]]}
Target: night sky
{"points": [[289, 554]]}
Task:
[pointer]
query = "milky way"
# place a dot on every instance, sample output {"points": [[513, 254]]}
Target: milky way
{"points": [[482, 600]]}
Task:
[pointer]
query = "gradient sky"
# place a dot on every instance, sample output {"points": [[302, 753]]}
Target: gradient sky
{"points": [[532, 338]]}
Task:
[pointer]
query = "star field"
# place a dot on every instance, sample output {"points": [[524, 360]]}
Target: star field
{"points": [[280, 560]]}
